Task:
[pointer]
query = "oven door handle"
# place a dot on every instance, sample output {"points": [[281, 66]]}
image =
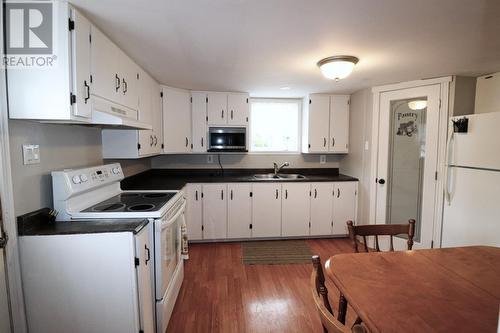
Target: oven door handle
{"points": [[175, 217]]}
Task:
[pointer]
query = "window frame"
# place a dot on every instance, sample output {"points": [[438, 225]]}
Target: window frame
{"points": [[300, 103]]}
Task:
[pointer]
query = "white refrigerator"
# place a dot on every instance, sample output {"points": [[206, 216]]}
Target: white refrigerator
{"points": [[471, 213]]}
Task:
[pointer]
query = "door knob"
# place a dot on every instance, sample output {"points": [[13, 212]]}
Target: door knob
{"points": [[381, 181]]}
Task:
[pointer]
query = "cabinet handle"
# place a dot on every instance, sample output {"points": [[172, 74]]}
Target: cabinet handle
{"points": [[87, 91], [222, 194], [151, 140], [187, 142], [125, 86], [286, 194], [117, 82], [148, 253], [276, 193], [338, 193], [156, 140], [315, 193], [222, 113], [324, 142], [196, 195], [333, 142], [231, 114], [202, 142], [231, 194]]}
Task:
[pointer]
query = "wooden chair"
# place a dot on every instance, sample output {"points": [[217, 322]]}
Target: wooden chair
{"points": [[320, 295], [380, 230]]}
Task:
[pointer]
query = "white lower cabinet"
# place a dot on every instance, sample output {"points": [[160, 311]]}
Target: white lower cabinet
{"points": [[269, 210], [239, 210], [194, 211], [344, 206], [266, 210], [295, 209], [214, 211], [321, 209]]}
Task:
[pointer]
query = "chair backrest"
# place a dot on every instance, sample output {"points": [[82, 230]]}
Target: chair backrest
{"points": [[320, 295], [381, 230]]}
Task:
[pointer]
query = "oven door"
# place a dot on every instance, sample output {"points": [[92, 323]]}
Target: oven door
{"points": [[231, 139], [167, 250]]}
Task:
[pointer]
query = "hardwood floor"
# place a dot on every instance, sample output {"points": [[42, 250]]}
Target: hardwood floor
{"points": [[220, 294]]}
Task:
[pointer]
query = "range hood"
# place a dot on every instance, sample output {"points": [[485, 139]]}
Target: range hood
{"points": [[116, 116]]}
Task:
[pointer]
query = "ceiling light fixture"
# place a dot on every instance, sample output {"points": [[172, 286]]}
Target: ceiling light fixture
{"points": [[418, 104], [285, 88], [337, 67]]}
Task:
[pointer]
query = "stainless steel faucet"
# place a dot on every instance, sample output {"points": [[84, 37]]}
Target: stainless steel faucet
{"points": [[278, 168]]}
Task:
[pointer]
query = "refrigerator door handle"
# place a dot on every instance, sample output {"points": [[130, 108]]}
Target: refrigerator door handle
{"points": [[448, 168]]}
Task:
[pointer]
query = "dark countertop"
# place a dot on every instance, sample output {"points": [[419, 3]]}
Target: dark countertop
{"points": [[176, 179], [39, 223]]}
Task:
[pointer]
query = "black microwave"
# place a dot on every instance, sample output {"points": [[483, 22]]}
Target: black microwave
{"points": [[227, 139]]}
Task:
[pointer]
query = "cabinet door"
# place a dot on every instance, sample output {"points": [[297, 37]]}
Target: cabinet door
{"points": [[199, 115], [217, 108], [239, 210], [157, 115], [144, 252], [321, 209], [266, 210], [215, 211], [129, 72], [319, 106], [176, 121], [295, 209], [194, 212], [237, 109], [344, 206], [81, 64], [339, 124], [145, 114], [104, 66]]}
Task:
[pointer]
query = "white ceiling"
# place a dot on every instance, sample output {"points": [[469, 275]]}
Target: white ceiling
{"points": [[259, 46]]}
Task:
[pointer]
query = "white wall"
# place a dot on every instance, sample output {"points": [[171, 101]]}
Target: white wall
{"points": [[243, 161], [357, 162], [61, 146]]}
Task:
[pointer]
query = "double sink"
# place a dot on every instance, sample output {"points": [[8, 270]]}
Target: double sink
{"points": [[279, 176]]}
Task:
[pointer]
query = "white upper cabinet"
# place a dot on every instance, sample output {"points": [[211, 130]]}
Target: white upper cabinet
{"points": [[217, 108], [176, 120], [339, 123], [61, 92], [199, 121], [266, 210], [295, 209], [325, 124], [344, 206], [239, 210], [238, 109]]}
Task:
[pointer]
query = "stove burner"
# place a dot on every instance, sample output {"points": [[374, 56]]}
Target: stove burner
{"points": [[141, 207], [128, 195], [108, 207], [154, 195]]}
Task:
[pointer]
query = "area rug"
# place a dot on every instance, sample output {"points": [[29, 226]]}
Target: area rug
{"points": [[276, 252]]}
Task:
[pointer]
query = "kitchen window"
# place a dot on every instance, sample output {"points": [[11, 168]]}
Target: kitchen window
{"points": [[275, 125]]}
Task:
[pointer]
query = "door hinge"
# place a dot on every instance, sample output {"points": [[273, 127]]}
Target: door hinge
{"points": [[251, 194], [3, 240], [72, 98], [136, 261], [71, 24], [138, 146], [251, 226], [161, 94]]}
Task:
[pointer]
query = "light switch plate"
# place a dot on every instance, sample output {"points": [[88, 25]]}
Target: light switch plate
{"points": [[210, 159], [31, 154], [322, 159]]}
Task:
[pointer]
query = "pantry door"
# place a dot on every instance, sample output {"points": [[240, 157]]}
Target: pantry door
{"points": [[407, 161]]}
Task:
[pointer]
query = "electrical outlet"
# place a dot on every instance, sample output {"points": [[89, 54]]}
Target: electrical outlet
{"points": [[322, 159], [31, 154], [210, 159]]}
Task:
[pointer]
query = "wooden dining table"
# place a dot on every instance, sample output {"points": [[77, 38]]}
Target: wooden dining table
{"points": [[436, 290]]}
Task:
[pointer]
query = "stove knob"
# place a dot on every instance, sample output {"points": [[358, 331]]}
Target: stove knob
{"points": [[115, 170], [76, 179], [84, 178]]}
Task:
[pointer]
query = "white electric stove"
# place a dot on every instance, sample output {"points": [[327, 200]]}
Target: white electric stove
{"points": [[95, 193]]}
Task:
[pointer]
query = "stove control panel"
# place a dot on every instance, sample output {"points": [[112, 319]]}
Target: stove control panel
{"points": [[73, 181]]}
